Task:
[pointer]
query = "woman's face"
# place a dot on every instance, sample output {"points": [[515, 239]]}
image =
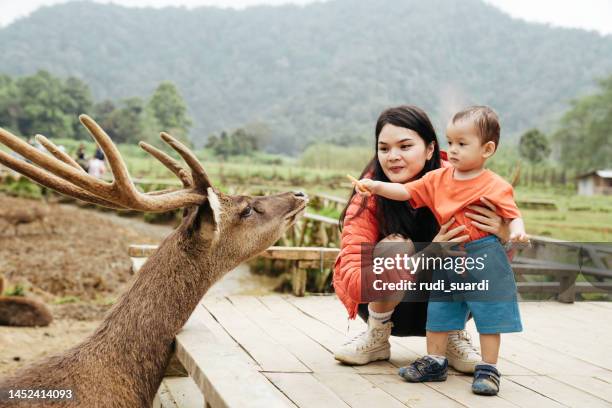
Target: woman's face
{"points": [[402, 153]]}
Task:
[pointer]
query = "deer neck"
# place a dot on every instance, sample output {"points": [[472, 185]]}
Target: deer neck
{"points": [[136, 338]]}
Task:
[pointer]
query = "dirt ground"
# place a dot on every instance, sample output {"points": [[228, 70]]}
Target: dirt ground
{"points": [[78, 265], [76, 262]]}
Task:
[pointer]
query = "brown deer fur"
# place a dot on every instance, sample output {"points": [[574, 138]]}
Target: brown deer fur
{"points": [[122, 363]]}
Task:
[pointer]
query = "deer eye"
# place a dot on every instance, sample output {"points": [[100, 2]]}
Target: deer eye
{"points": [[246, 212]]}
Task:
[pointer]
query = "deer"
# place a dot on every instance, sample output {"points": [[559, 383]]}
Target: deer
{"points": [[21, 311], [123, 362]]}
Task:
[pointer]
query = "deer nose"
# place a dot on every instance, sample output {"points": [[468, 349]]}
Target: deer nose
{"points": [[299, 194]]}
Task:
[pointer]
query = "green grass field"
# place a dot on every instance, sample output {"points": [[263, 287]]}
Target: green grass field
{"points": [[577, 218]]}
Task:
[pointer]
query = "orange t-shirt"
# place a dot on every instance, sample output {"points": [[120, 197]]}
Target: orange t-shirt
{"points": [[446, 197]]}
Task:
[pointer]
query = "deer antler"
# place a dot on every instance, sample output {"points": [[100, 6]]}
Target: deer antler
{"points": [[60, 173]]}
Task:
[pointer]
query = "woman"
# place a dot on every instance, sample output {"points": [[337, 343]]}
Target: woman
{"points": [[406, 148]]}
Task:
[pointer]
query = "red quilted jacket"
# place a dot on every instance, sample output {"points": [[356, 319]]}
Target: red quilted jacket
{"points": [[347, 269], [361, 229]]}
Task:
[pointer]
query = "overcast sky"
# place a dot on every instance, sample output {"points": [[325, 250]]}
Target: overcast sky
{"points": [[587, 14]]}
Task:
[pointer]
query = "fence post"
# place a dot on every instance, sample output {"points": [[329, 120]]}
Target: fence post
{"points": [[567, 288], [298, 279]]}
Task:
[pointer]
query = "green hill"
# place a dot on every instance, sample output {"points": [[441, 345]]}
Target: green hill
{"points": [[318, 72]]}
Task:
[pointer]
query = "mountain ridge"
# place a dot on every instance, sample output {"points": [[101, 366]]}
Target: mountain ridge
{"points": [[322, 71]]}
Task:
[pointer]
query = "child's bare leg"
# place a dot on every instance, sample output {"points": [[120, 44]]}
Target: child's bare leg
{"points": [[489, 345], [436, 343]]}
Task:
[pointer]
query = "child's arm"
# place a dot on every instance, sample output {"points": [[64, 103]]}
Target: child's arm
{"points": [[393, 191], [517, 231]]}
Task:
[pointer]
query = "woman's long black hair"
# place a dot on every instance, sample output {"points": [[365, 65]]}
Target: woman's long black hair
{"points": [[398, 217]]}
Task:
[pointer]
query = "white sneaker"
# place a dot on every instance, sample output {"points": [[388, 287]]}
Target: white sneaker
{"points": [[371, 345], [461, 353]]}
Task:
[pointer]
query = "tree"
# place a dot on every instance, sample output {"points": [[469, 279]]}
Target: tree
{"points": [[534, 146], [9, 104], [43, 102], [170, 110], [585, 131], [238, 143], [127, 123], [78, 100]]}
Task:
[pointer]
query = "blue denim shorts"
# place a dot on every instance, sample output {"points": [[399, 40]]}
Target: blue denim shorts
{"points": [[495, 310]]}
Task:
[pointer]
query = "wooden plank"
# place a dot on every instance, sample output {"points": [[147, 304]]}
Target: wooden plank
{"points": [[591, 385], [519, 395], [416, 395], [163, 398], [264, 349], [542, 359], [574, 316], [305, 349], [219, 371], [577, 323], [458, 390], [358, 392], [213, 325], [404, 350], [184, 391], [141, 251], [582, 348], [560, 392], [604, 305], [305, 390], [328, 337], [596, 306], [329, 310], [301, 253]]}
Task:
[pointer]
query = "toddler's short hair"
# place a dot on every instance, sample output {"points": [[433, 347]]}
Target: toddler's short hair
{"points": [[484, 119]]}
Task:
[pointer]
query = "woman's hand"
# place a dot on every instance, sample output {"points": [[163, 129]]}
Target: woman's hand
{"points": [[444, 235], [487, 220]]}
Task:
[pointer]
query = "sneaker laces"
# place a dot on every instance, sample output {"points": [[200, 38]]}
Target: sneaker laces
{"points": [[462, 342], [371, 335]]}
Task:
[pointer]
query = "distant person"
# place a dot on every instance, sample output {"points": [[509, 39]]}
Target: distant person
{"points": [[96, 167], [99, 154], [80, 157]]}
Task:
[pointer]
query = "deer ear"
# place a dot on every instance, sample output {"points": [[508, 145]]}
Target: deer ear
{"points": [[215, 207], [205, 218]]}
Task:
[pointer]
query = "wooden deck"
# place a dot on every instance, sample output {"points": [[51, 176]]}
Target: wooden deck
{"points": [[561, 359]]}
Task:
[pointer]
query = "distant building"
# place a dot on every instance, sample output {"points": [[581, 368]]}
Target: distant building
{"points": [[595, 182]]}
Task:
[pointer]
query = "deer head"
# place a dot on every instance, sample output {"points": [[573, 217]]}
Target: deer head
{"points": [[217, 232], [236, 227]]}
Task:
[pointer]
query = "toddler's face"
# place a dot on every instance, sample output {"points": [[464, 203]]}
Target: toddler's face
{"points": [[402, 153], [465, 150]]}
